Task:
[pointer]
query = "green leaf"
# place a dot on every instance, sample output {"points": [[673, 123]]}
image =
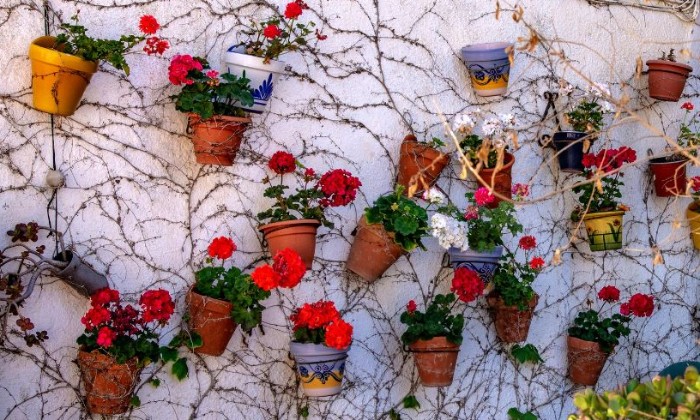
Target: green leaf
{"points": [[526, 353], [155, 382], [410, 401], [304, 411], [135, 401], [393, 415], [179, 369]]}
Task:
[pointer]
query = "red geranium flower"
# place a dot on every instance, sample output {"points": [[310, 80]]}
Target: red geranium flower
{"points": [[588, 160], [148, 24], [536, 263], [221, 248], [695, 183], [687, 106], [411, 306], [271, 32], [467, 284], [625, 309], [282, 163], [292, 11], [309, 174], [338, 334], [266, 278], [180, 66], [339, 188], [527, 242], [315, 315], [289, 266], [104, 296], [157, 306], [520, 190], [609, 294], [95, 317], [472, 213], [105, 337], [320, 36], [641, 305], [155, 45], [482, 196]]}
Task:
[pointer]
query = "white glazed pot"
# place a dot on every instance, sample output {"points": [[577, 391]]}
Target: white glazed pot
{"points": [[263, 77], [320, 368]]}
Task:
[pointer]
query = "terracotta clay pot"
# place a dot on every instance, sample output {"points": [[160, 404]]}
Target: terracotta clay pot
{"points": [[667, 79], [512, 324], [693, 215], [299, 235], [419, 165], [211, 319], [373, 251], [501, 181], [586, 361], [108, 386], [669, 176], [436, 360], [217, 139]]}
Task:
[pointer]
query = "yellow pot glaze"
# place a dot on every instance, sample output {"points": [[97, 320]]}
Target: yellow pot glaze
{"points": [[604, 230], [693, 214], [58, 79]]}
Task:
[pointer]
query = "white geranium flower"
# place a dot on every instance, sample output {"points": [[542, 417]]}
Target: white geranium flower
{"points": [[599, 90], [463, 123], [434, 196], [606, 106], [492, 128], [508, 121], [448, 231]]}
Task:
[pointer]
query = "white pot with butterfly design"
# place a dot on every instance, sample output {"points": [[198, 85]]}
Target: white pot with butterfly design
{"points": [[263, 76], [320, 368]]}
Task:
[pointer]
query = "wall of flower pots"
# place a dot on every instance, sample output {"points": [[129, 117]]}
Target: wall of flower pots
{"points": [[133, 187]]}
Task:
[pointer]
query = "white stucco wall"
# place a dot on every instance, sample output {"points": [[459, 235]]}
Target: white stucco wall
{"points": [[137, 207]]}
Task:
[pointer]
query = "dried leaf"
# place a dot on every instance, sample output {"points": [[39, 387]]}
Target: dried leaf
{"points": [[556, 259], [638, 69], [498, 10]]}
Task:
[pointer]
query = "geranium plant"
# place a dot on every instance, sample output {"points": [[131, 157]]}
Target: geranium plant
{"points": [[243, 291], [439, 320], [334, 188], [689, 137], [406, 220], [487, 149], [280, 34], [513, 279], [590, 325], [125, 332], [204, 91], [75, 41], [587, 115], [603, 170], [321, 323]]}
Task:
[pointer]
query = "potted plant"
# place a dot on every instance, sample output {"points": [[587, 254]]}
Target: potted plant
{"points": [[513, 300], [488, 155], [119, 340], [255, 56], [392, 226], [320, 347], [213, 104], [474, 238], [693, 212], [667, 78], [223, 298], [292, 221], [434, 336], [599, 209], [660, 398], [489, 67], [669, 171], [586, 120], [63, 65], [420, 164], [592, 338]]}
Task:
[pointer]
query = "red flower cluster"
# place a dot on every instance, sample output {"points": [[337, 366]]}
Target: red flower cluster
{"points": [[271, 31], [105, 337], [282, 163], [472, 213], [695, 184], [148, 24], [293, 10], [536, 263], [688, 106], [324, 315], [286, 271], [608, 160], [640, 305], [157, 305], [467, 284], [339, 188], [520, 190], [221, 248], [609, 294], [482, 196], [179, 68], [527, 242], [154, 45], [411, 306]]}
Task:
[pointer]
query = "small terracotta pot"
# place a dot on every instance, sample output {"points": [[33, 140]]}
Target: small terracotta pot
{"points": [[108, 386], [501, 180], [436, 360], [373, 251], [693, 215], [604, 230], [211, 319], [586, 361], [217, 139], [512, 324], [299, 235], [669, 176], [667, 79], [419, 165]]}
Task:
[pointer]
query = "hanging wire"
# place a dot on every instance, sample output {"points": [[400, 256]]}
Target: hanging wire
{"points": [[685, 9]]}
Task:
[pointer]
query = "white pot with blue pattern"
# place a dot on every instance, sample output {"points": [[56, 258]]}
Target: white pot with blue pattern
{"points": [[263, 77], [320, 368]]}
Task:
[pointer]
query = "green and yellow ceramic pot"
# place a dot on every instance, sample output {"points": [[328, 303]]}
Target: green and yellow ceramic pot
{"points": [[693, 214], [320, 368], [604, 230]]}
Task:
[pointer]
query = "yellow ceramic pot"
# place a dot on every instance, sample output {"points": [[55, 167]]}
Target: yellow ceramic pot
{"points": [[693, 214], [604, 230], [58, 79]]}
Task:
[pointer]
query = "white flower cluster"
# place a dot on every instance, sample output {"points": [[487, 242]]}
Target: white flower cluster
{"points": [[449, 232], [465, 123], [434, 196], [598, 91]]}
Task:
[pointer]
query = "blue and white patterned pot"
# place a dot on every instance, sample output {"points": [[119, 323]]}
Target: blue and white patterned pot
{"points": [[320, 368], [489, 67], [484, 263], [263, 77]]}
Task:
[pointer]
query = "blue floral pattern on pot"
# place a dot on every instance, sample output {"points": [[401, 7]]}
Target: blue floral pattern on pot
{"points": [[482, 76], [264, 92], [322, 371]]}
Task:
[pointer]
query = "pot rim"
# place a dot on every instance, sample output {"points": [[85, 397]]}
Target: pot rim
{"points": [[246, 60], [40, 50], [498, 302], [602, 214], [311, 349], [269, 227], [195, 119], [661, 161], [486, 47], [669, 63], [212, 304], [581, 344], [434, 345]]}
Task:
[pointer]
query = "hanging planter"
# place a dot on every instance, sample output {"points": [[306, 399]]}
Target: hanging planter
{"points": [[211, 319], [500, 180], [512, 323], [667, 78], [489, 67], [320, 368], [693, 215], [436, 360], [586, 361], [669, 176], [484, 263], [263, 76], [604, 230], [109, 386], [373, 251], [79, 275], [299, 235], [569, 146], [420, 165], [217, 139]]}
